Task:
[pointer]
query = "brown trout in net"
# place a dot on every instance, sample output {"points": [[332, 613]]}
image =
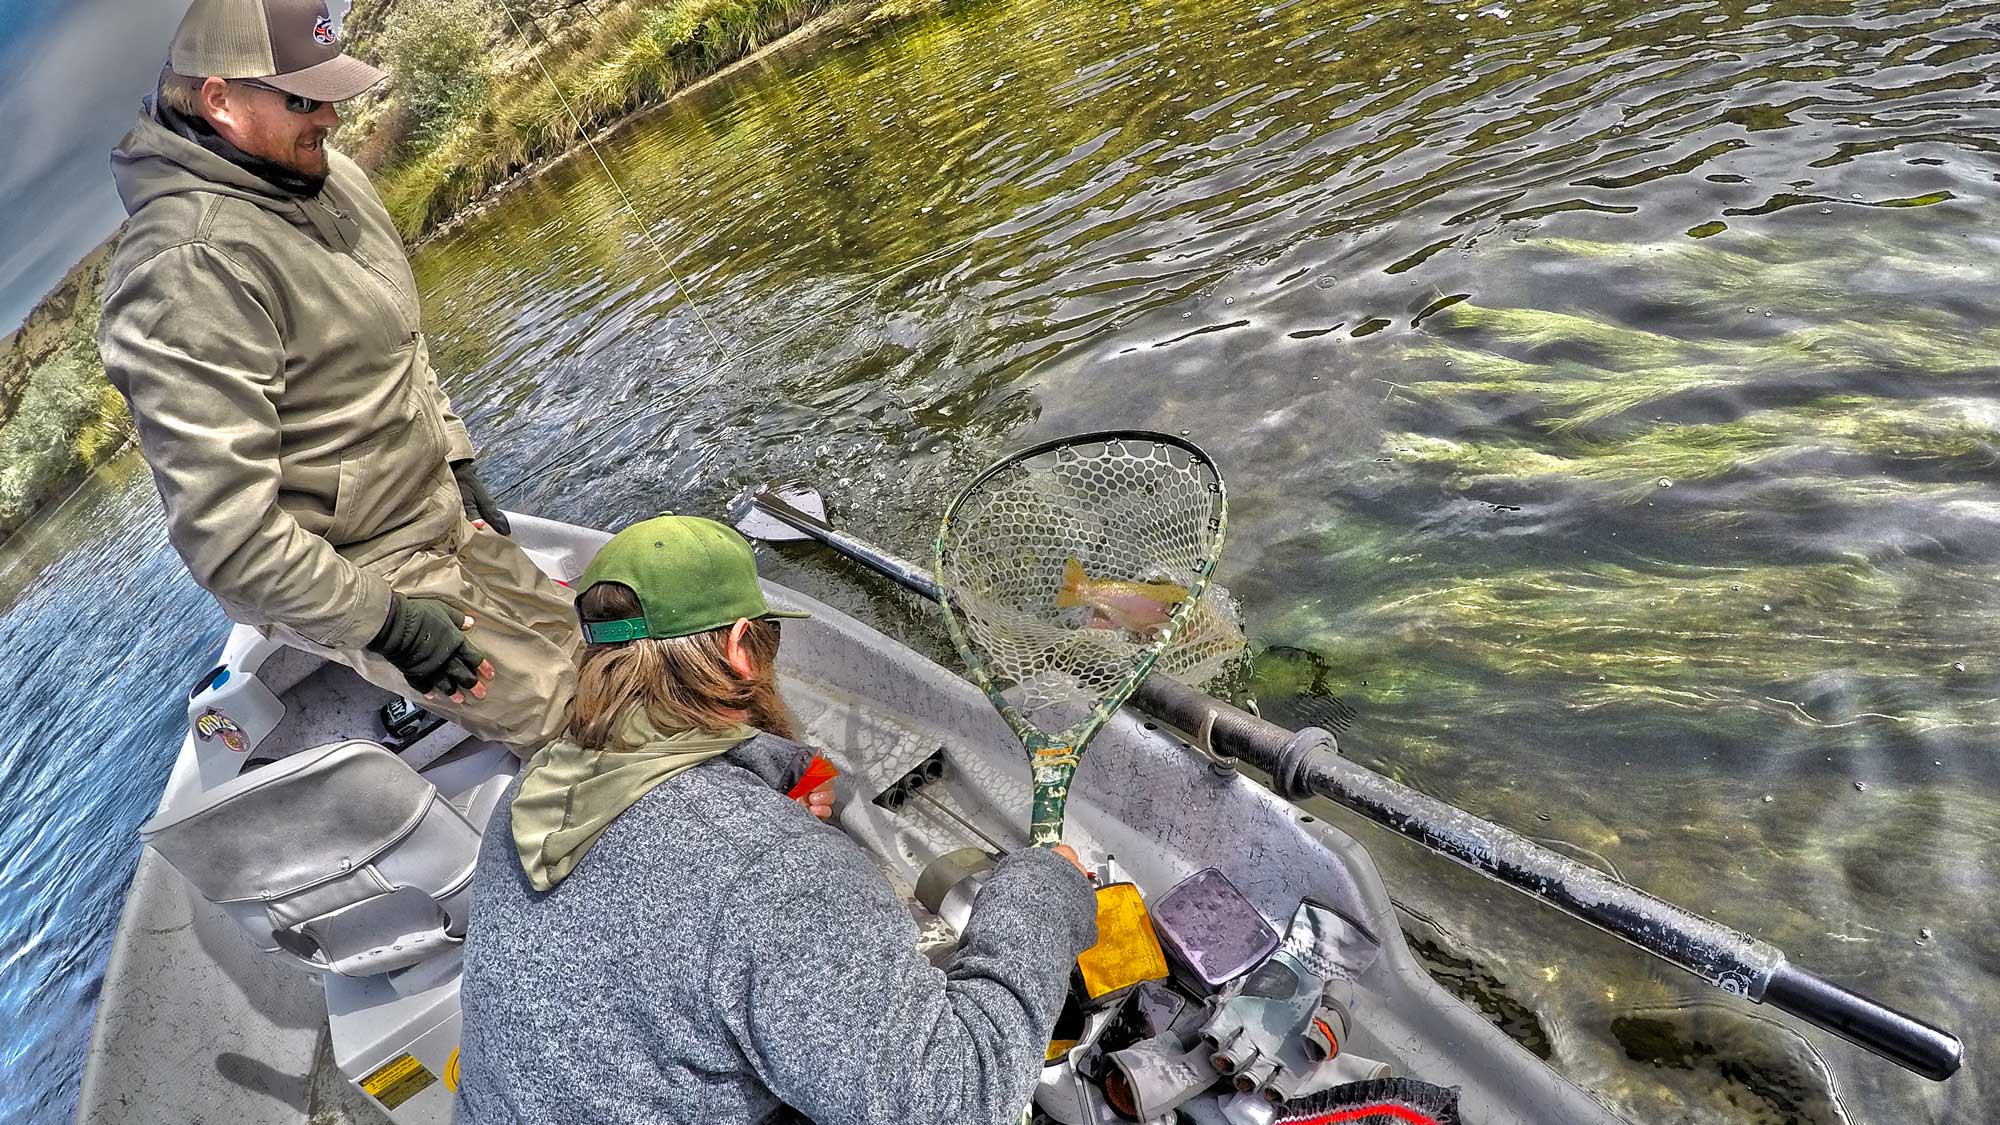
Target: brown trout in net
{"points": [[1141, 607]]}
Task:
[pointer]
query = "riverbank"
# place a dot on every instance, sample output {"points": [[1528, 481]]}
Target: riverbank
{"points": [[486, 94], [484, 97], [832, 21], [59, 419]]}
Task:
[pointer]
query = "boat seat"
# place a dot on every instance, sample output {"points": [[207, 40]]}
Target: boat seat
{"points": [[341, 857]]}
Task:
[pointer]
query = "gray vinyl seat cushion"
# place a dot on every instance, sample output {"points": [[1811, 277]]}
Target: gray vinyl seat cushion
{"points": [[341, 857]]}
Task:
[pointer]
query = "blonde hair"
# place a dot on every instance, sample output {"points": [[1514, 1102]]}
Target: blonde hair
{"points": [[181, 93], [686, 683]]}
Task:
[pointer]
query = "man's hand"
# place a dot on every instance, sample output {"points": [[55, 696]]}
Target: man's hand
{"points": [[425, 639], [480, 507]]}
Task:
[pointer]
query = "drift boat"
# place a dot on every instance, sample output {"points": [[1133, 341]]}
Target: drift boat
{"points": [[336, 1006]]}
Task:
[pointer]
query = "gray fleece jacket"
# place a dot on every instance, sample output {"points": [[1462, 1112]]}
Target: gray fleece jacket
{"points": [[720, 957]]}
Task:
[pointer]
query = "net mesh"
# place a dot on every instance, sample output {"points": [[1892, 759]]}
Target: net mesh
{"points": [[1121, 525]]}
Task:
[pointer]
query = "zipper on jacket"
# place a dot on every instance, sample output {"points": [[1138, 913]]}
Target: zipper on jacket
{"points": [[394, 289], [398, 296]]}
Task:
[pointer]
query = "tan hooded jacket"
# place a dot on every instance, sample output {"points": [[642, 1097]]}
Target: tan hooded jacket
{"points": [[271, 351]]}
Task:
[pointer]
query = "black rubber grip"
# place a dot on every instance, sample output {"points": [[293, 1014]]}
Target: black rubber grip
{"points": [[1929, 1051]]}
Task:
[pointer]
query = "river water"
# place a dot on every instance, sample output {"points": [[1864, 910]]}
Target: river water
{"points": [[1606, 393]]}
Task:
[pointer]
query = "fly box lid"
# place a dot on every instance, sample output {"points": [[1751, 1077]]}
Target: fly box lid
{"points": [[1212, 933]]}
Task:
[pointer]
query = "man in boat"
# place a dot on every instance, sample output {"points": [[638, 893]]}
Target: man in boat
{"points": [[666, 937], [261, 319]]}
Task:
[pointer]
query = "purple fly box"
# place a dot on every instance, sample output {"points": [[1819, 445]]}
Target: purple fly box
{"points": [[1210, 930]]}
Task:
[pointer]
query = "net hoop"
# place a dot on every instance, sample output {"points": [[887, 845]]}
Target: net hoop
{"points": [[1119, 665]]}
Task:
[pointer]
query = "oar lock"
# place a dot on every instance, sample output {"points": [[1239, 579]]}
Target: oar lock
{"points": [[1291, 778], [1204, 744]]}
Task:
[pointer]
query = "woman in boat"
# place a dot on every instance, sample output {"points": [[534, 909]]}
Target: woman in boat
{"points": [[661, 935]]}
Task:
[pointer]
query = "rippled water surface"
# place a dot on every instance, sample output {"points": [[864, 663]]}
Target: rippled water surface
{"points": [[1606, 393]]}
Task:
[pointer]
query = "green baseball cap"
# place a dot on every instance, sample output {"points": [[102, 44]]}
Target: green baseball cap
{"points": [[691, 575]]}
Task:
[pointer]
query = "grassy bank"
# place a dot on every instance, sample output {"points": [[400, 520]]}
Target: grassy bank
{"points": [[59, 419], [470, 105]]}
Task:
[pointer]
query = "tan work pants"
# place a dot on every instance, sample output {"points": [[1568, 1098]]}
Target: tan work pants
{"points": [[522, 621]]}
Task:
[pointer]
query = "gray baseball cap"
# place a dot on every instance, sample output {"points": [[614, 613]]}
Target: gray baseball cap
{"points": [[288, 44]]}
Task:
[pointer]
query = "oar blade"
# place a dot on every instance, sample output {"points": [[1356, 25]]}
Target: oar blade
{"points": [[751, 512]]}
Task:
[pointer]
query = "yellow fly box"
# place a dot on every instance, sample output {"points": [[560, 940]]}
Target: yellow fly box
{"points": [[1127, 949]]}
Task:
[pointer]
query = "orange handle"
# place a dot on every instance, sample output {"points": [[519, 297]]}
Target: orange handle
{"points": [[817, 771]]}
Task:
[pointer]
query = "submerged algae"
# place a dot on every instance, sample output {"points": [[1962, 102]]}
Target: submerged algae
{"points": [[1596, 371], [1941, 429]]}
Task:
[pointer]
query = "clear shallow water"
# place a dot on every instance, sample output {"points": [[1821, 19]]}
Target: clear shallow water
{"points": [[1605, 391]]}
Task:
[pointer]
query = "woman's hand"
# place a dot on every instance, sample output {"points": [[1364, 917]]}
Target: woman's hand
{"points": [[819, 802], [1069, 853]]}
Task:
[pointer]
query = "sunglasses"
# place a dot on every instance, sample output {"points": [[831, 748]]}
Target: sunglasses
{"points": [[295, 103]]}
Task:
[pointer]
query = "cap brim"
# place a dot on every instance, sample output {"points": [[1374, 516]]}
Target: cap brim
{"points": [[335, 80], [790, 614]]}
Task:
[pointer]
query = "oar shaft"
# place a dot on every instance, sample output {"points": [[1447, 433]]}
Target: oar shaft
{"points": [[1902, 1039], [1306, 762], [901, 571]]}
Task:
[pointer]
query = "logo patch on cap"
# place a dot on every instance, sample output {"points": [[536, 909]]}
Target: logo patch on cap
{"points": [[323, 31]]}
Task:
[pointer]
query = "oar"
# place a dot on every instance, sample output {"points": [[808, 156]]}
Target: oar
{"points": [[1306, 763]]}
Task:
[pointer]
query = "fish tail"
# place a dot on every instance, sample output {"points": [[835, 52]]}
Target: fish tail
{"points": [[1071, 593]]}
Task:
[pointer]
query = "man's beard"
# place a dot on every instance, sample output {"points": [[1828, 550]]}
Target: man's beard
{"points": [[306, 166], [318, 163], [285, 175], [768, 711]]}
